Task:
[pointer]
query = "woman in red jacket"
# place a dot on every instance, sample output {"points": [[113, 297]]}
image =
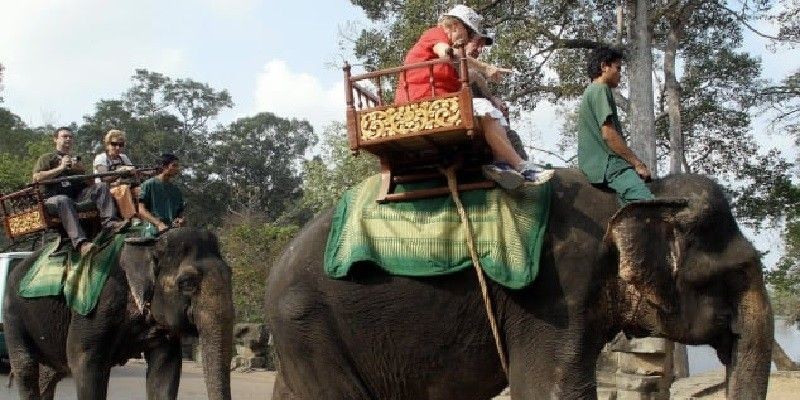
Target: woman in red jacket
{"points": [[456, 28]]}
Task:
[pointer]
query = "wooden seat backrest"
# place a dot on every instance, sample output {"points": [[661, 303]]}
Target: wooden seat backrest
{"points": [[394, 132], [24, 213]]}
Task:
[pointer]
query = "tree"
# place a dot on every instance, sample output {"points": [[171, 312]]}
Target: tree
{"points": [[1, 81], [258, 159], [640, 83], [250, 245], [784, 98], [335, 170], [20, 147]]}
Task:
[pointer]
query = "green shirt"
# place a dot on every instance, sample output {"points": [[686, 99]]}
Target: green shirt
{"points": [[595, 158], [52, 160], [163, 199]]}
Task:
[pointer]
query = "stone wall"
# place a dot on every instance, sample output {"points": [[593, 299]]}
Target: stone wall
{"points": [[252, 351], [252, 348], [635, 369]]}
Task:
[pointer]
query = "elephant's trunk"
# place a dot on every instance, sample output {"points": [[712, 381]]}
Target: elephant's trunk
{"points": [[748, 371], [214, 318]]}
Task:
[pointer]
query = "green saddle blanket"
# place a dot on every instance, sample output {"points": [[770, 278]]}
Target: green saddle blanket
{"points": [[426, 237], [80, 279]]}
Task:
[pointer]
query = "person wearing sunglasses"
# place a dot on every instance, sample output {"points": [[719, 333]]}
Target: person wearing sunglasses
{"points": [[112, 159], [64, 195]]}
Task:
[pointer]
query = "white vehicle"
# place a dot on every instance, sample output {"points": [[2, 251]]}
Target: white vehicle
{"points": [[7, 261]]}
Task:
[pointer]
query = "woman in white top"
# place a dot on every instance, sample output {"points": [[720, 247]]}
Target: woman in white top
{"points": [[110, 160]]}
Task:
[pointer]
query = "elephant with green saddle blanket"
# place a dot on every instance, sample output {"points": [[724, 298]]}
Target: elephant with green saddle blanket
{"points": [[156, 292], [679, 270]]}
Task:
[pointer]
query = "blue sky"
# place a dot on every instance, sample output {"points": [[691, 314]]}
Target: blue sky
{"points": [[62, 56]]}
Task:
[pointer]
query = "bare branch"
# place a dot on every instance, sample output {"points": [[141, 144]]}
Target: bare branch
{"points": [[552, 153], [556, 90], [743, 20]]}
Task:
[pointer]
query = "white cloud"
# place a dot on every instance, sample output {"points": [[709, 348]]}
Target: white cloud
{"points": [[62, 56], [292, 94]]}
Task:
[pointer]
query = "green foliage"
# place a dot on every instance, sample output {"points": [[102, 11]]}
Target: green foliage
{"points": [[784, 99], [258, 158], [717, 92], [784, 279], [327, 176], [250, 247], [788, 21], [20, 147]]}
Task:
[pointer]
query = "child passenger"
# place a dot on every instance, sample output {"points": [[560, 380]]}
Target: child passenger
{"points": [[455, 28]]}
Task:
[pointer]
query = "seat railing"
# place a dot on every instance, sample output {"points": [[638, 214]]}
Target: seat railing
{"points": [[363, 104]]}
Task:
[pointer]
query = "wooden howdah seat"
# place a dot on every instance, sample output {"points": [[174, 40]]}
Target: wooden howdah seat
{"points": [[25, 213], [414, 140]]}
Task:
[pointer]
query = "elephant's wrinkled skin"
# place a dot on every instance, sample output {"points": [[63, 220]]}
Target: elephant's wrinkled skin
{"points": [[687, 274], [188, 286]]}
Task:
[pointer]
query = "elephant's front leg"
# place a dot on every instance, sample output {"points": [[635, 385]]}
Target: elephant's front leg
{"points": [[164, 370], [26, 372], [91, 374], [553, 366], [48, 379]]}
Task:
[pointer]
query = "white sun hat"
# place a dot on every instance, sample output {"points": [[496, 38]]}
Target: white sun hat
{"points": [[466, 15]]}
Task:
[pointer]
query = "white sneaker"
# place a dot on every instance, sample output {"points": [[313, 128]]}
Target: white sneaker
{"points": [[534, 177], [504, 175]]}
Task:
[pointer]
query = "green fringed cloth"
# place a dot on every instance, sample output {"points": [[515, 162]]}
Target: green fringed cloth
{"points": [[426, 237], [80, 279]]}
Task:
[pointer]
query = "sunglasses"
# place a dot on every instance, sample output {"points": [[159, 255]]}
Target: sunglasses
{"points": [[118, 144]]}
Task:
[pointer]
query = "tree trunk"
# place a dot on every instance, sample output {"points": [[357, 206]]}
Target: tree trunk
{"points": [[640, 84], [782, 360], [677, 23], [680, 361], [620, 23], [673, 94]]}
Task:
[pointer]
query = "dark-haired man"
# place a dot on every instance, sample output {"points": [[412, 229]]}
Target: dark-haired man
{"points": [[161, 201], [64, 195], [603, 155]]}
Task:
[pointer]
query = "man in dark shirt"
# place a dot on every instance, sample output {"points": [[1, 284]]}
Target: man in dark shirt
{"points": [[161, 201], [64, 195], [603, 155]]}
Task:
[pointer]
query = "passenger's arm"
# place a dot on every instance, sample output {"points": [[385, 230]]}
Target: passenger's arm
{"points": [[52, 173], [617, 144], [145, 214], [492, 72]]}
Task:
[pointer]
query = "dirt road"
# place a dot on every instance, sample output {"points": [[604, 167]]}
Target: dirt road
{"points": [[127, 383]]}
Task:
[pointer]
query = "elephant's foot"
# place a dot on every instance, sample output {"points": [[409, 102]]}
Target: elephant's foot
{"points": [[91, 376], [25, 371], [48, 379], [281, 391]]}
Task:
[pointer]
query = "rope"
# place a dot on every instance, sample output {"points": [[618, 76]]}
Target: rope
{"points": [[449, 172]]}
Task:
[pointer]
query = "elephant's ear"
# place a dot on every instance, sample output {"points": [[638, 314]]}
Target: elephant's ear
{"points": [[648, 240], [138, 262]]}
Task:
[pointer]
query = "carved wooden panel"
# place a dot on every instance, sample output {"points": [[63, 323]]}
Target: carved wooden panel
{"points": [[410, 118], [25, 222]]}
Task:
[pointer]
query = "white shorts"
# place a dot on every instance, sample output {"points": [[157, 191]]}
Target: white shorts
{"points": [[482, 107]]}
